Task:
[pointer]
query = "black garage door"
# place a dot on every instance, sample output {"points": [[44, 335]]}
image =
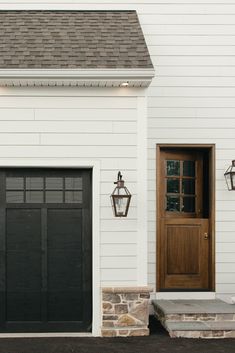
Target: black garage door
{"points": [[45, 250]]}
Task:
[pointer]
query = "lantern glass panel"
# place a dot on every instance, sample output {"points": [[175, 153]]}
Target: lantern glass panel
{"points": [[228, 181], [121, 205], [233, 180]]}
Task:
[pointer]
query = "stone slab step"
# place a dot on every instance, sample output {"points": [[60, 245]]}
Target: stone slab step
{"points": [[191, 310], [201, 329]]}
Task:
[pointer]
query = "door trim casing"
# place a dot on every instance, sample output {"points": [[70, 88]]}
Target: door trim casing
{"points": [[78, 164], [211, 149]]}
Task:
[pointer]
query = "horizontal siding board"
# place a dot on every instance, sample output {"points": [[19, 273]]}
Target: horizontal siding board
{"points": [[171, 40], [16, 114], [69, 102], [192, 50], [115, 262], [118, 225], [187, 78], [225, 287], [88, 152], [186, 102], [188, 133], [223, 267], [188, 19], [19, 139], [194, 112], [199, 123], [190, 29], [82, 139], [192, 91], [56, 126], [118, 274], [118, 250], [110, 114], [118, 237]]}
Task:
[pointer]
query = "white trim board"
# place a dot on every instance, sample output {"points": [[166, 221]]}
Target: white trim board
{"points": [[76, 77], [75, 163]]}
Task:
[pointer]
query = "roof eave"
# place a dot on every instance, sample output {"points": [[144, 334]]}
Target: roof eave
{"points": [[76, 77]]}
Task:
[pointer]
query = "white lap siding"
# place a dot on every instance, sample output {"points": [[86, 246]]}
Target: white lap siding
{"points": [[191, 100], [38, 125]]}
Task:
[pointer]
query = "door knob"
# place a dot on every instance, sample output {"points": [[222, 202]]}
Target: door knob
{"points": [[206, 236]]}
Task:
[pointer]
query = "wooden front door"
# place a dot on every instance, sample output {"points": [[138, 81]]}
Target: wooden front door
{"points": [[45, 258], [183, 221]]}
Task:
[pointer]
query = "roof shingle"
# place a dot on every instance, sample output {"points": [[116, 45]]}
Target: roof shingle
{"points": [[72, 40]]}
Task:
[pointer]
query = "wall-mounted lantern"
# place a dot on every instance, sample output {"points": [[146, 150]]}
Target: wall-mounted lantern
{"points": [[230, 176], [120, 198]]}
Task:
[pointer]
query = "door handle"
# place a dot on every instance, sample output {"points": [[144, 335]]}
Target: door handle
{"points": [[206, 236]]}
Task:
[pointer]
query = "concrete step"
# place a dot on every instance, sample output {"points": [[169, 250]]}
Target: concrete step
{"points": [[196, 318]]}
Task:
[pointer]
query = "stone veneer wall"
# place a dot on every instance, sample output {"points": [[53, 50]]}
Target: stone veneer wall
{"points": [[125, 311]]}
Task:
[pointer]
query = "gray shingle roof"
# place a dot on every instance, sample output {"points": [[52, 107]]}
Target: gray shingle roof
{"points": [[72, 40]]}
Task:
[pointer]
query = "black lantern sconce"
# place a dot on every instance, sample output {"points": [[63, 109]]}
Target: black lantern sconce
{"points": [[120, 198], [230, 176]]}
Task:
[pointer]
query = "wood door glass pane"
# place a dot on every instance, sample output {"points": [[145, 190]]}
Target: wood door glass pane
{"points": [[173, 186], [173, 168], [188, 186], [172, 204], [189, 168], [188, 204]]}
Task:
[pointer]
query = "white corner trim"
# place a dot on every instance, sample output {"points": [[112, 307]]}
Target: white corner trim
{"points": [[76, 77], [142, 247], [95, 166]]}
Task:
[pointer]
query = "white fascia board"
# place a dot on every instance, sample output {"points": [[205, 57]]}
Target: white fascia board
{"points": [[102, 74], [76, 77]]}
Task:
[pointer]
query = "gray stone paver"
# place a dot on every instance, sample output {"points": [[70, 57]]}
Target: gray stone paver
{"points": [[195, 306]]}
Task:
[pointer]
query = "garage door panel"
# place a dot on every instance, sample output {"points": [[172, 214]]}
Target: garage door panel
{"points": [[64, 264], [23, 306], [65, 306], [23, 267], [23, 230]]}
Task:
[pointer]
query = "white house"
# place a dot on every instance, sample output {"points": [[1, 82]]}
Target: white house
{"points": [[88, 89]]}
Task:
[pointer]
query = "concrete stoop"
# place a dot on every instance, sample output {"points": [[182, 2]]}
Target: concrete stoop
{"points": [[196, 318]]}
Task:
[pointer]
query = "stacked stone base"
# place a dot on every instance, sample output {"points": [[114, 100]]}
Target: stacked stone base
{"points": [[125, 311]]}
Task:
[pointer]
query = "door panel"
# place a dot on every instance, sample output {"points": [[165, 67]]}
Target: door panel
{"points": [[23, 265], [183, 248], [185, 253], [65, 301]]}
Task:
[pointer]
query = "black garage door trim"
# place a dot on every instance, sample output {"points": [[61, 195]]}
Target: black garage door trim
{"points": [[45, 250]]}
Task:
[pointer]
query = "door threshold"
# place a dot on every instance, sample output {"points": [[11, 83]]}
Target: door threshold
{"points": [[183, 295], [45, 334]]}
